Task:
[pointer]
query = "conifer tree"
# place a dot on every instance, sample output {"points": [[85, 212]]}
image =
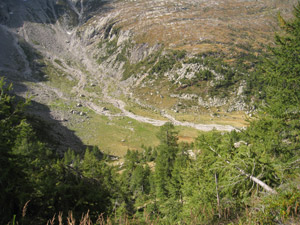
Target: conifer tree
{"points": [[11, 169], [282, 70], [164, 161]]}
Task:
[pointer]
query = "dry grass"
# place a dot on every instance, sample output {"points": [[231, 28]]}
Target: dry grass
{"points": [[189, 24], [101, 220], [143, 111], [236, 119]]}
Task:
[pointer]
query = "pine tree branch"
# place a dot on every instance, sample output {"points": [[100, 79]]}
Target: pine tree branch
{"points": [[254, 179]]}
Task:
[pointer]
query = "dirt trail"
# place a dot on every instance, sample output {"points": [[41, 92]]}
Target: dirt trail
{"points": [[203, 127]]}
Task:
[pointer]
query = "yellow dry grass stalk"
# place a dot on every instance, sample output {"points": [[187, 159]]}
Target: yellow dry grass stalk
{"points": [[70, 219], [25, 209], [51, 221], [85, 219], [60, 218]]}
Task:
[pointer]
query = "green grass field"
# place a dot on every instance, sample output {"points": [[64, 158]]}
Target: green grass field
{"points": [[115, 135]]}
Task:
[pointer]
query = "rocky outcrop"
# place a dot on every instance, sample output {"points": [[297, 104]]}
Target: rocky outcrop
{"points": [[212, 102]]}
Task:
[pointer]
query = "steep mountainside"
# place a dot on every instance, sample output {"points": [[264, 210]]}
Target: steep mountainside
{"points": [[114, 70]]}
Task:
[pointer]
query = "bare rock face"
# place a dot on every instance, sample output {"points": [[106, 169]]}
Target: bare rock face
{"points": [[16, 12], [12, 56]]}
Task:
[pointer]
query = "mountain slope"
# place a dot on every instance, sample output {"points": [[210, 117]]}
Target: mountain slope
{"points": [[95, 63]]}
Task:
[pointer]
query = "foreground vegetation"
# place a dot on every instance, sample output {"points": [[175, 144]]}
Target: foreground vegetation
{"points": [[247, 177]]}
